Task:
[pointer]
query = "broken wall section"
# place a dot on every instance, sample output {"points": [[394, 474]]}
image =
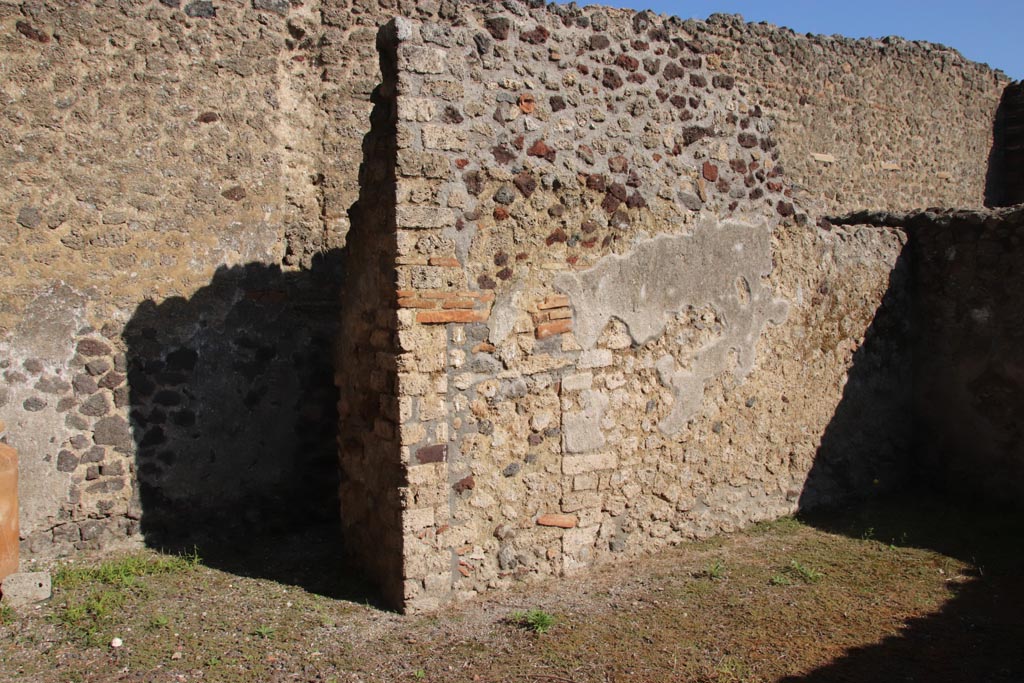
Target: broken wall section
{"points": [[617, 331]]}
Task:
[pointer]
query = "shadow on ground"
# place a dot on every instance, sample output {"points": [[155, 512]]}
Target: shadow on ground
{"points": [[978, 634], [234, 413]]}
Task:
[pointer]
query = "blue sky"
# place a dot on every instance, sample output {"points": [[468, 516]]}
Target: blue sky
{"points": [[989, 31]]}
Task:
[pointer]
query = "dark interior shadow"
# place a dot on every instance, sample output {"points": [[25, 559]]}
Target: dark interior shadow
{"points": [[978, 635], [234, 413], [1004, 177]]}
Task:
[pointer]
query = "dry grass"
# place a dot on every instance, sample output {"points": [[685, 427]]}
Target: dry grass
{"points": [[909, 591]]}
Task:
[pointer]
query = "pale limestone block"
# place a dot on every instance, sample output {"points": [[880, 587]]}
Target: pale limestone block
{"points": [[421, 60], [595, 358], [438, 583], [416, 108], [541, 420], [26, 588], [578, 382], [444, 138], [415, 520], [579, 464], [429, 474], [581, 500], [432, 407], [413, 383], [423, 217], [405, 405], [413, 433]]}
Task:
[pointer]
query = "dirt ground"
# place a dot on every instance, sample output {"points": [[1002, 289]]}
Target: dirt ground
{"points": [[908, 590]]}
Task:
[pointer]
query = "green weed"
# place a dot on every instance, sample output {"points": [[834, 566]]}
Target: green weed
{"points": [[805, 573], [263, 631], [714, 571], [6, 614], [536, 620], [780, 580]]}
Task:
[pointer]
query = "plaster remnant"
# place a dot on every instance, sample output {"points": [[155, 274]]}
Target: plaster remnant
{"points": [[666, 275]]}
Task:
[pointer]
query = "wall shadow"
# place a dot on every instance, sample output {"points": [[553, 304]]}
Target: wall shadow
{"points": [[866, 447], [233, 410], [1004, 178]]}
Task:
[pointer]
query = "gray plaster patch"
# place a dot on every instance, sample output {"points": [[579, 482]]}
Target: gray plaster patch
{"points": [[720, 265]]}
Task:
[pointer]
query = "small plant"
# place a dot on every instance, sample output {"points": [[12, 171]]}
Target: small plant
{"points": [[536, 620], [6, 614], [714, 571], [158, 621], [780, 580], [868, 534], [806, 574], [263, 631], [420, 674]]}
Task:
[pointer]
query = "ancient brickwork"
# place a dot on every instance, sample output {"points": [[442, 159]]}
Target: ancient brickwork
{"points": [[603, 357], [572, 257]]}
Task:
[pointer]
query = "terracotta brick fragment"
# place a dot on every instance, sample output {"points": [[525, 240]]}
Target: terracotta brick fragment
{"points": [[554, 301], [412, 302], [550, 329], [558, 520], [444, 261], [428, 454], [457, 315], [458, 303]]}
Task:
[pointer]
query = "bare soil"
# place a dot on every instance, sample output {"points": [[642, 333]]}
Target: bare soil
{"points": [[908, 590]]}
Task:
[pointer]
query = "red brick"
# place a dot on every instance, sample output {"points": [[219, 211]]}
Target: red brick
{"points": [[558, 520], [550, 329], [459, 303], [457, 315], [429, 454], [554, 301], [412, 302]]}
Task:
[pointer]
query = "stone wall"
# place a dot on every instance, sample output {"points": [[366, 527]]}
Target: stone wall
{"points": [[165, 328], [616, 331], [884, 124], [182, 205]]}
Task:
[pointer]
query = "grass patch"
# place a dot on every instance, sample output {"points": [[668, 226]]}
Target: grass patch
{"points": [[535, 620], [123, 571], [96, 594], [7, 614]]}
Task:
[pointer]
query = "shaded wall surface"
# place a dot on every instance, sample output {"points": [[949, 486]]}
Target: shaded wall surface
{"points": [[1005, 181], [968, 382], [176, 178]]}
